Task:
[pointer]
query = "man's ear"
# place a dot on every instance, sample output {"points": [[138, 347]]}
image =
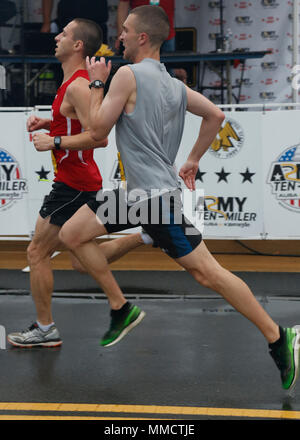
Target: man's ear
{"points": [[143, 38], [79, 45]]}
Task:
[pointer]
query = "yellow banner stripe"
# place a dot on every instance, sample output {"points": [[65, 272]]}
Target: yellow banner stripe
{"points": [[150, 409]]}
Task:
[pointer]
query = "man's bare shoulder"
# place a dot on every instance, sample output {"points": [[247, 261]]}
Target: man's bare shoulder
{"points": [[124, 73], [79, 85]]}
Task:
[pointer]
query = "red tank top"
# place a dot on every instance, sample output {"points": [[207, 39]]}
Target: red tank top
{"points": [[76, 169]]}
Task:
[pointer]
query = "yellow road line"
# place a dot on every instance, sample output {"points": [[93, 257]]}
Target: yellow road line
{"points": [[22, 417], [150, 409]]}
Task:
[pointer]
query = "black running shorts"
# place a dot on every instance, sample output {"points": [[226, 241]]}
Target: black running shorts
{"points": [[63, 201]]}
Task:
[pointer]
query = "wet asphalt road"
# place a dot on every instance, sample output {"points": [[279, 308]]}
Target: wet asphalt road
{"points": [[191, 352]]}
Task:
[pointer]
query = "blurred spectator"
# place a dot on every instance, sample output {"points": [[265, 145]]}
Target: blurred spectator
{"points": [[67, 10], [167, 5], [181, 74]]}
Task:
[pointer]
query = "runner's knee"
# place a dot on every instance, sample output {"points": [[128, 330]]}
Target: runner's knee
{"points": [[70, 238], [200, 277], [36, 252], [211, 279], [32, 252]]}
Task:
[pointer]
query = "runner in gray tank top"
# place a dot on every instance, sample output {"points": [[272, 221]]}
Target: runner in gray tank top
{"points": [[148, 138], [151, 117]]}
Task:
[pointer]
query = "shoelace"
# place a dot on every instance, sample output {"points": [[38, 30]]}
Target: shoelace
{"points": [[32, 327]]}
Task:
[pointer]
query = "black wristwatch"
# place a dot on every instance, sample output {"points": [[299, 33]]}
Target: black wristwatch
{"points": [[98, 84], [57, 142]]}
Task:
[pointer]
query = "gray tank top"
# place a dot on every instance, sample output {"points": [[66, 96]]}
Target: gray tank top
{"points": [[148, 139]]}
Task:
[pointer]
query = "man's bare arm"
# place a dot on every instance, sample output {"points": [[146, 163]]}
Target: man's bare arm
{"points": [[122, 13], [77, 96], [82, 141], [76, 142], [47, 6], [104, 112], [212, 118]]}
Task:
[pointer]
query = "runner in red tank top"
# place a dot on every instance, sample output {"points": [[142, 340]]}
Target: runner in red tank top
{"points": [[77, 179], [74, 168]]}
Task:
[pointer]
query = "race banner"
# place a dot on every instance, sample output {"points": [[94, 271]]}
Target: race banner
{"points": [[13, 175], [39, 172], [247, 183], [281, 159], [230, 173]]}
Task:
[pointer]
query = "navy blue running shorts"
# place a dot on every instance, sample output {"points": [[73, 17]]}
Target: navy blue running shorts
{"points": [[161, 217]]}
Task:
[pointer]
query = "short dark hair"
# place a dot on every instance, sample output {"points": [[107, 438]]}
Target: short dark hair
{"points": [[90, 33], [154, 21]]}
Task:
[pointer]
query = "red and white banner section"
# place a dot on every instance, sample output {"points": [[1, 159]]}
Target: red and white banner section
{"points": [[265, 25]]}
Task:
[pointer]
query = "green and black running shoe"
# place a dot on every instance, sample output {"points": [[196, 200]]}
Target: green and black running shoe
{"points": [[120, 325], [286, 356]]}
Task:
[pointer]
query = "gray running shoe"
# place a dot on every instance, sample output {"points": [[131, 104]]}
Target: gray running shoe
{"points": [[35, 337]]}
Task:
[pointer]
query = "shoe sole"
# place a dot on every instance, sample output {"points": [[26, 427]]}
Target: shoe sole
{"points": [[50, 344], [296, 348], [127, 329]]}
